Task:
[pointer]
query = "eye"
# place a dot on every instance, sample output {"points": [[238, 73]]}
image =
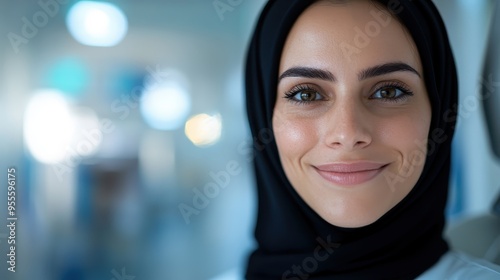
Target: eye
{"points": [[391, 93], [303, 94]]}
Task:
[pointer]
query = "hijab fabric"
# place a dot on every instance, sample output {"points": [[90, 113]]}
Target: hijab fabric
{"points": [[296, 243]]}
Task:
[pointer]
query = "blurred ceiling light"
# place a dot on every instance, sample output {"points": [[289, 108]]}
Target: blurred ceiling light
{"points": [[166, 105], [97, 23], [204, 130], [48, 126]]}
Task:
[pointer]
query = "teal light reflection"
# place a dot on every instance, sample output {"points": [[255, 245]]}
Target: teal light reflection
{"points": [[69, 75]]}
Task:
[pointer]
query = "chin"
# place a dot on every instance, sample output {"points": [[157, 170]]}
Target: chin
{"points": [[350, 221], [353, 210], [353, 206]]}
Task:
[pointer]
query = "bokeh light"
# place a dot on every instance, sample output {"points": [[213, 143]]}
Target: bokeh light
{"points": [[70, 75], [204, 130], [97, 24], [48, 126], [166, 104]]}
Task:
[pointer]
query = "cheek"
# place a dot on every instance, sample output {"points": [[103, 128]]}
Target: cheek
{"points": [[406, 137], [294, 137], [405, 133], [408, 129]]}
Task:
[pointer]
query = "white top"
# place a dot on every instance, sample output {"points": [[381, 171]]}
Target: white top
{"points": [[452, 266], [455, 265]]}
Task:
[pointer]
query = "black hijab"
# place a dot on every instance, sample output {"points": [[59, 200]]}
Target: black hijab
{"points": [[296, 243]]}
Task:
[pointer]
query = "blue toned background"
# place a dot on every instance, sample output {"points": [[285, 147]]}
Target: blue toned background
{"points": [[125, 121]]}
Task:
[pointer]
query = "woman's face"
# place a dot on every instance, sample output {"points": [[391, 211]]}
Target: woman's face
{"points": [[352, 114]]}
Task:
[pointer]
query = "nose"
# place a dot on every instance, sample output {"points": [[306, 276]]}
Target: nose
{"points": [[349, 127]]}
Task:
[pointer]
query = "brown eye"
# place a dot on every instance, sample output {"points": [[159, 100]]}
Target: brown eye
{"points": [[391, 93], [388, 92], [307, 95]]}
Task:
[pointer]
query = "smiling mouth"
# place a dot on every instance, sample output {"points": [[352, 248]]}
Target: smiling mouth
{"points": [[350, 174]]}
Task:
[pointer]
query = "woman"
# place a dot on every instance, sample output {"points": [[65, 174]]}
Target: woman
{"points": [[353, 185]]}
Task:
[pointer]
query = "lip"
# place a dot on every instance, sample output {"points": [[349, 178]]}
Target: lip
{"points": [[349, 174]]}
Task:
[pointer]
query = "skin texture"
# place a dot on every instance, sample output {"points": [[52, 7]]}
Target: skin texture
{"points": [[349, 119]]}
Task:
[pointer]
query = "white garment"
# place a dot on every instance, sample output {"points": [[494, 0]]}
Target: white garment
{"points": [[454, 265]]}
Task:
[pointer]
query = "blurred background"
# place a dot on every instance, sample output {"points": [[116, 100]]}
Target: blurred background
{"points": [[125, 122]]}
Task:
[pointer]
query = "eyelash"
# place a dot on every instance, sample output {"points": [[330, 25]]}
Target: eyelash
{"points": [[296, 90], [405, 93]]}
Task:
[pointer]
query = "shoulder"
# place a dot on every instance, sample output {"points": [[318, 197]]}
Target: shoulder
{"points": [[455, 265]]}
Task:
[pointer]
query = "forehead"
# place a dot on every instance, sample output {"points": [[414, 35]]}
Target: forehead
{"points": [[348, 34]]}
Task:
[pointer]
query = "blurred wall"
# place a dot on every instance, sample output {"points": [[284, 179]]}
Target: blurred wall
{"points": [[118, 210], [475, 176]]}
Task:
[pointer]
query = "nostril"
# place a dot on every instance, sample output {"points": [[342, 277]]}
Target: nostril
{"points": [[359, 140]]}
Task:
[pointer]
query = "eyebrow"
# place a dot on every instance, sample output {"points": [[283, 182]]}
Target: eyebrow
{"points": [[378, 70], [386, 68], [307, 72]]}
